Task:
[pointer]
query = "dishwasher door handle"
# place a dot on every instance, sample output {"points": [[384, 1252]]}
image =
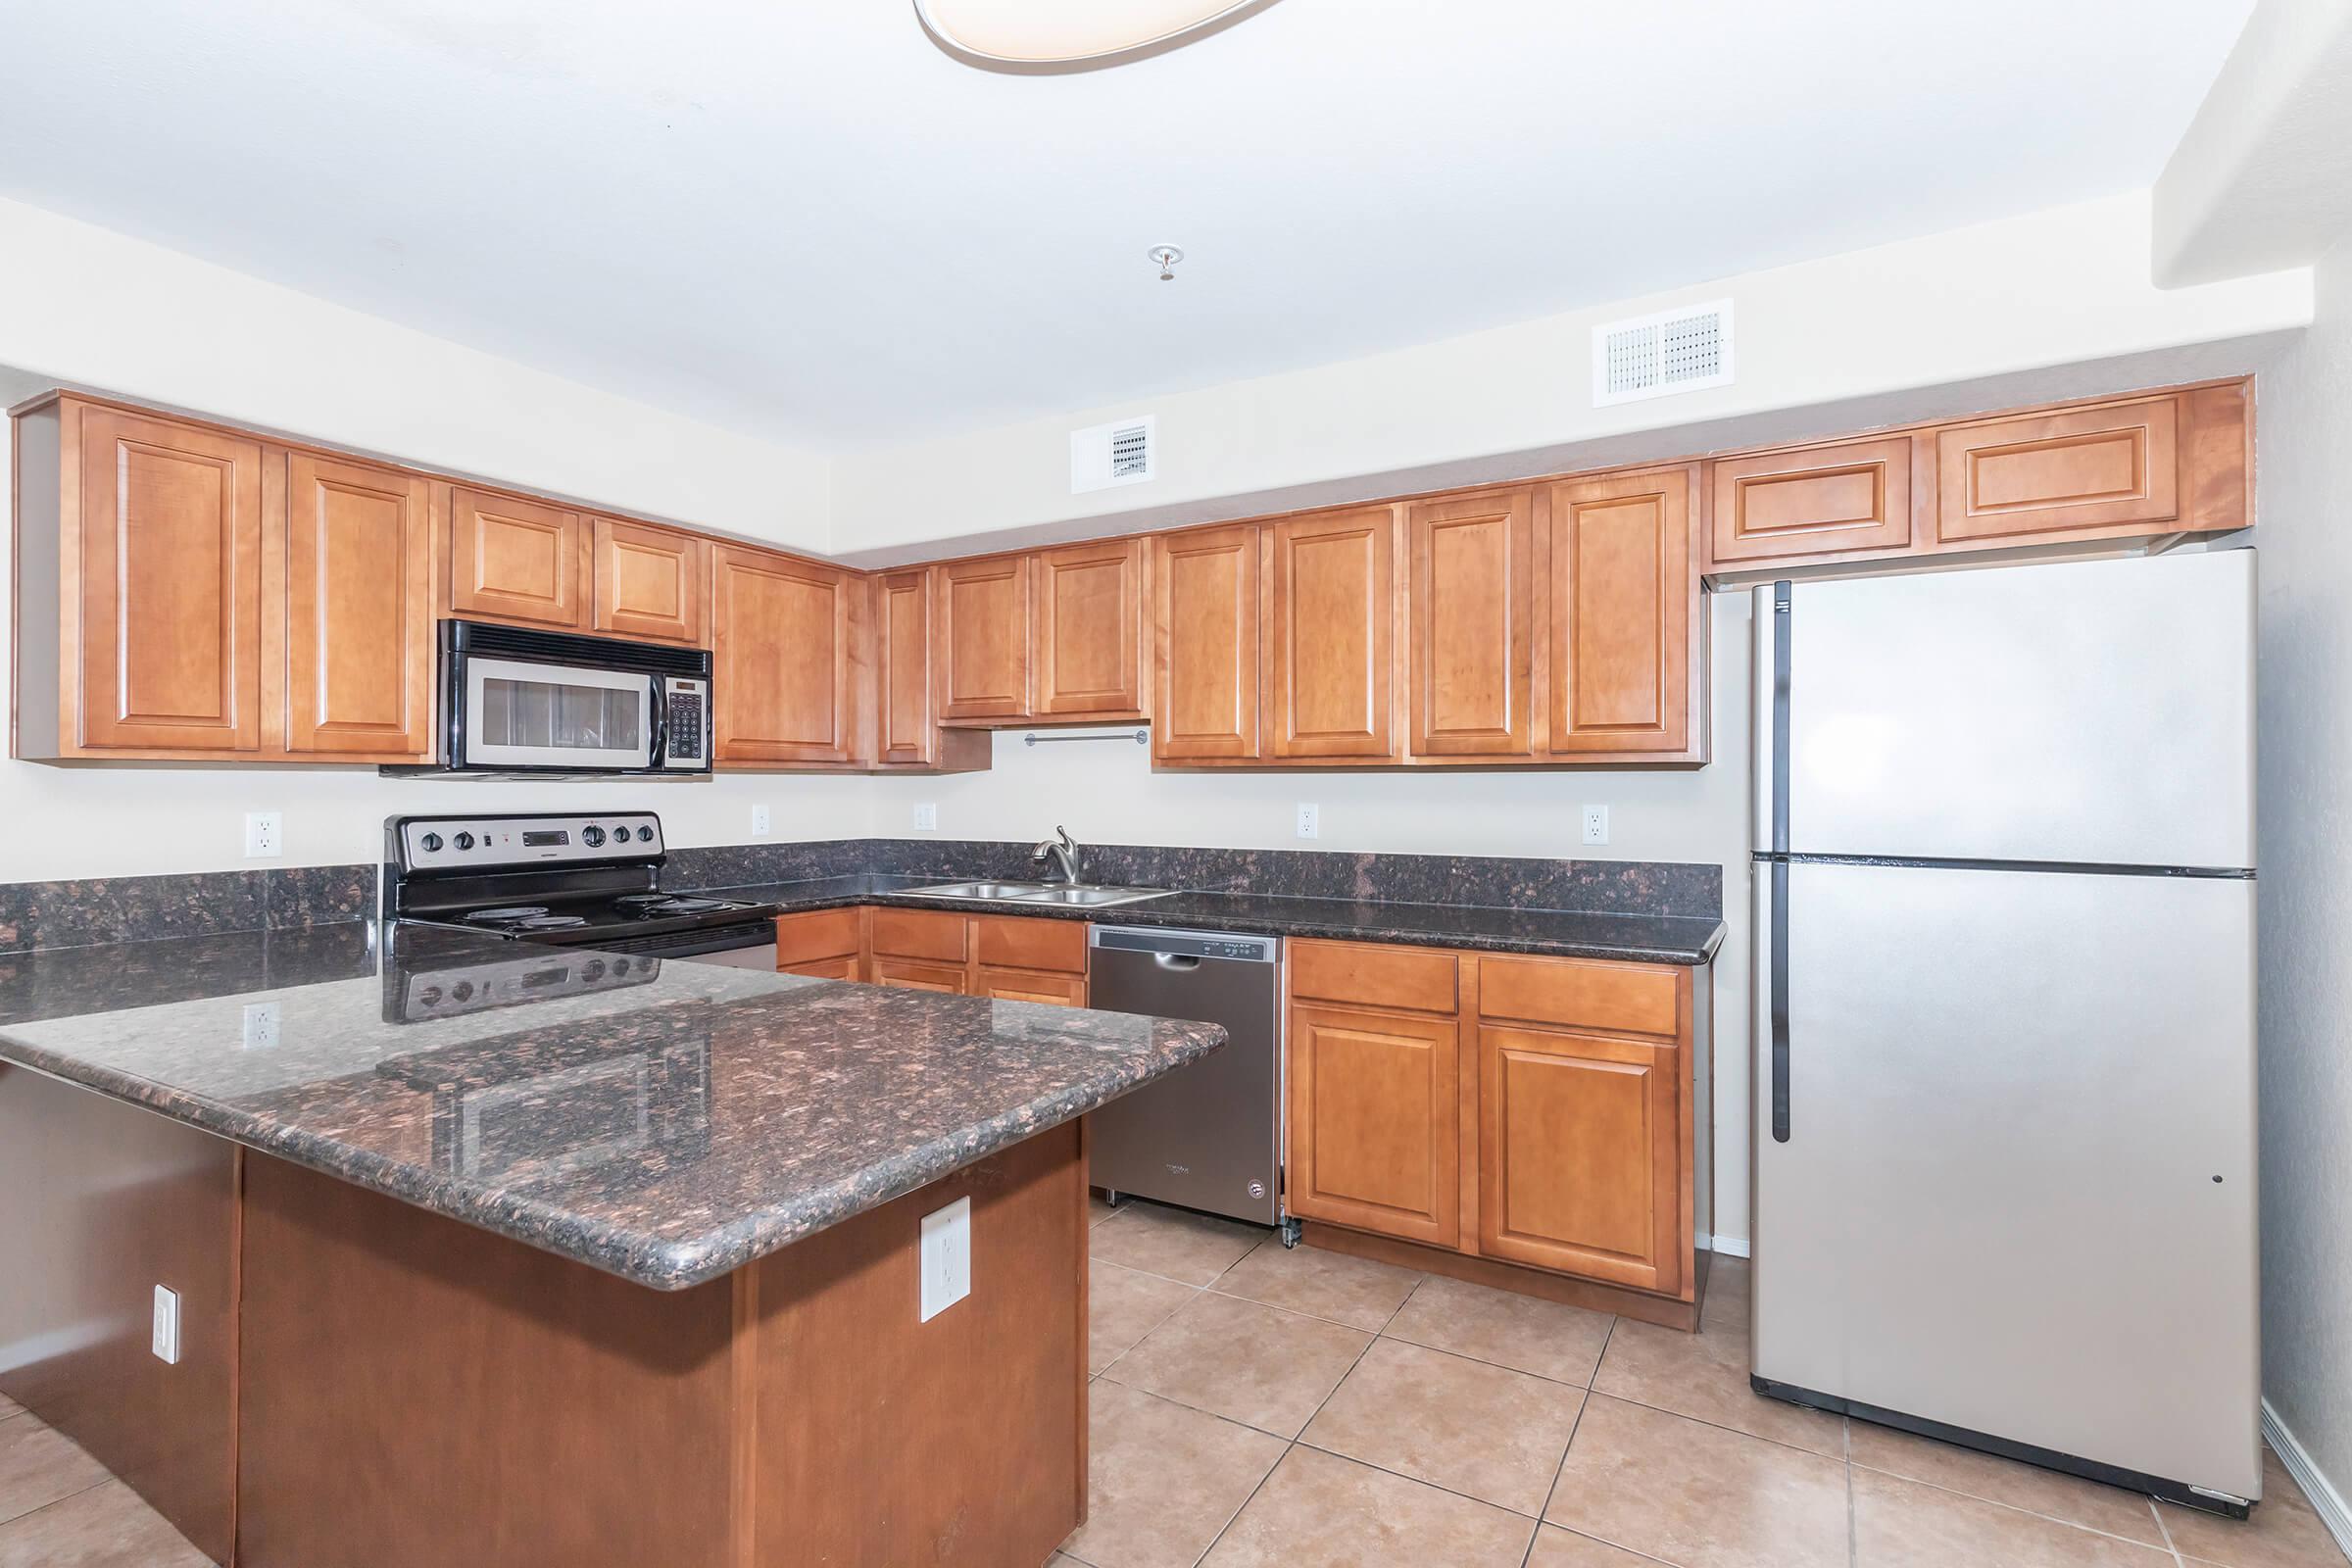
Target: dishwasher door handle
{"points": [[1176, 961]]}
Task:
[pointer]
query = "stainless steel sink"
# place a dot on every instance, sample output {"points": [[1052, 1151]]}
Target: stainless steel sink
{"points": [[1087, 895]]}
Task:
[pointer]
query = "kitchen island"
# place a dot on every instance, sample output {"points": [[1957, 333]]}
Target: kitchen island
{"points": [[622, 1270]]}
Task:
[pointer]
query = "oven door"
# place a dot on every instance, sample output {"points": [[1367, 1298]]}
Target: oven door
{"points": [[514, 713]]}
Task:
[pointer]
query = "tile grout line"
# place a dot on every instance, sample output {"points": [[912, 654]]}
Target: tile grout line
{"points": [[1574, 1427], [16, 1519], [1854, 1526], [2166, 1531]]}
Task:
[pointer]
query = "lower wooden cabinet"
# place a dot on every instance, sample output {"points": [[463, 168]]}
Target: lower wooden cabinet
{"points": [[1374, 1122], [1029, 985], [908, 974], [1528, 1111], [847, 968], [1011, 957], [1578, 1154]]}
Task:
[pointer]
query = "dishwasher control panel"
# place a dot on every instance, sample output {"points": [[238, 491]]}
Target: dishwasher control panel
{"points": [[1188, 943]]}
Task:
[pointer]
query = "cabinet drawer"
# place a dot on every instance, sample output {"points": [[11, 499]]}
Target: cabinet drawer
{"points": [[841, 968], [919, 934], [1028, 985], [900, 976], [1635, 998], [1016, 943], [1369, 975], [818, 935]]}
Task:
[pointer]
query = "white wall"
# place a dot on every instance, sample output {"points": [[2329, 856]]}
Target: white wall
{"points": [[1106, 793], [2053, 288], [83, 306], [2305, 849]]}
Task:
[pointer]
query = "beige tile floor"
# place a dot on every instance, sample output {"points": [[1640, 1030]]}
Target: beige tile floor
{"points": [[1253, 1405]]}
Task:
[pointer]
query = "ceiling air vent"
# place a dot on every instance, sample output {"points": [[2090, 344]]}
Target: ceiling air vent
{"points": [[1653, 356], [1125, 452]]}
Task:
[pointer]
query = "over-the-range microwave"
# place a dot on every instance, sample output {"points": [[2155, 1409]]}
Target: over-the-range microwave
{"points": [[520, 703]]}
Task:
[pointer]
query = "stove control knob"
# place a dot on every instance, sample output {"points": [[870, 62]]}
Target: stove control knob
{"points": [[463, 840], [592, 835], [431, 842], [645, 835], [621, 833]]}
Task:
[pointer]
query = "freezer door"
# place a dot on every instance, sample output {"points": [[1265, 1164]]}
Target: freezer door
{"points": [[2017, 1194], [2094, 711]]}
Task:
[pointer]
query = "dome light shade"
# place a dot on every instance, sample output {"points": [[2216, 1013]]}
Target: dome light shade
{"points": [[1041, 35]]}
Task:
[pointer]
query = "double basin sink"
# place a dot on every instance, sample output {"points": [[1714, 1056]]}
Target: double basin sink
{"points": [[1079, 894]]}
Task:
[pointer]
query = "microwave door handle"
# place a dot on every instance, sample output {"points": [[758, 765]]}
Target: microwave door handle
{"points": [[659, 750]]}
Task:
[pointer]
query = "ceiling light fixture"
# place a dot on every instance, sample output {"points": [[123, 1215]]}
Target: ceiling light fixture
{"points": [[1050, 35], [1166, 257]]}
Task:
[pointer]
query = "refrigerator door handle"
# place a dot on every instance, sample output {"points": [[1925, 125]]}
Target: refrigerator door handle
{"points": [[1784, 618], [1779, 1000]]}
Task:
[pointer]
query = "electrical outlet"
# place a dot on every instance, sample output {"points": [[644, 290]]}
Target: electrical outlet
{"points": [[1597, 825], [1310, 820], [947, 1257], [265, 835], [760, 818], [164, 1341], [926, 818], [260, 1025]]}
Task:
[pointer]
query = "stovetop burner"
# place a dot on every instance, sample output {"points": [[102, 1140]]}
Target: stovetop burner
{"points": [[506, 912], [550, 922]]}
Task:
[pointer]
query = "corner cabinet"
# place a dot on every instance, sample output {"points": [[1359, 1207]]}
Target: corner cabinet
{"points": [[784, 660]]}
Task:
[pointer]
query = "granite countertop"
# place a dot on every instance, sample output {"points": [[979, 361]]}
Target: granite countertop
{"points": [[1558, 933], [669, 1128]]}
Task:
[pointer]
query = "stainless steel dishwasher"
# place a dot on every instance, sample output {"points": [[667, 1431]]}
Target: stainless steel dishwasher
{"points": [[1207, 1136]]}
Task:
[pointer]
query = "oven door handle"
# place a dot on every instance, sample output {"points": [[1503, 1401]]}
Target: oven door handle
{"points": [[659, 749]]}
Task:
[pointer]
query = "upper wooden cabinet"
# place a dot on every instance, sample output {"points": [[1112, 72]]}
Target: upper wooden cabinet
{"points": [[1851, 497], [2115, 465], [517, 559], [784, 660], [649, 581], [1088, 655], [982, 661], [1204, 588], [1472, 608], [358, 623], [1627, 660], [1332, 636], [907, 729]]}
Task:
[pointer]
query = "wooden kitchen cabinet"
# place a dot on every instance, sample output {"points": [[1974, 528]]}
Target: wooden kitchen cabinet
{"points": [[1849, 497], [935, 936], [1205, 664], [825, 944], [784, 661], [1332, 635], [908, 732], [982, 661], [1627, 666], [1471, 603], [649, 581], [358, 613], [1580, 1151], [1029, 985], [1375, 1120], [518, 561], [907, 974], [1088, 651], [2115, 465]]}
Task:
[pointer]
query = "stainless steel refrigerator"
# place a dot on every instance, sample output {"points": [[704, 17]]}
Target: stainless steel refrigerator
{"points": [[2005, 1166]]}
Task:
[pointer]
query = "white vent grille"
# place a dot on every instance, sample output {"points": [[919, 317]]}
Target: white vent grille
{"points": [[1651, 356], [1123, 452]]}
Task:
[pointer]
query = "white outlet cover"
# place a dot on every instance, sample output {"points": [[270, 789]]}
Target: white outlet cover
{"points": [[1310, 820], [265, 835], [947, 1257], [1597, 825], [926, 818], [164, 1341], [260, 1025], [760, 818]]}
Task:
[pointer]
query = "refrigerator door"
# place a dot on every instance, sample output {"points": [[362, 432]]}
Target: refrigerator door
{"points": [[2017, 1192], [2089, 713]]}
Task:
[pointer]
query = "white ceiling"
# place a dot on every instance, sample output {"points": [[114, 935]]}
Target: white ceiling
{"points": [[800, 219]]}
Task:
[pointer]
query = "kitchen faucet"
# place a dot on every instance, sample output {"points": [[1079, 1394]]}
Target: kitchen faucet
{"points": [[1065, 850]]}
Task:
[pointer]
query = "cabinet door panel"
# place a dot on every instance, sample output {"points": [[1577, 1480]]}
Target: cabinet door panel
{"points": [[906, 736], [171, 571], [983, 609], [1472, 608], [782, 661], [1030, 985], [1089, 609], [649, 581], [358, 614], [844, 969], [932, 933], [1376, 1122], [819, 935], [2100, 467], [517, 559], [1205, 623], [904, 974], [1624, 602], [1854, 496], [1579, 1158], [1333, 635]]}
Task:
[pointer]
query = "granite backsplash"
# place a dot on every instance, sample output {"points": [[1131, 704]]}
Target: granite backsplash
{"points": [[109, 910]]}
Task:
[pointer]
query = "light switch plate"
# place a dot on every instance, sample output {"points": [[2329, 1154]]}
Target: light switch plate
{"points": [[265, 835], [164, 1341], [926, 818], [1597, 825], [946, 1256], [1310, 820]]}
